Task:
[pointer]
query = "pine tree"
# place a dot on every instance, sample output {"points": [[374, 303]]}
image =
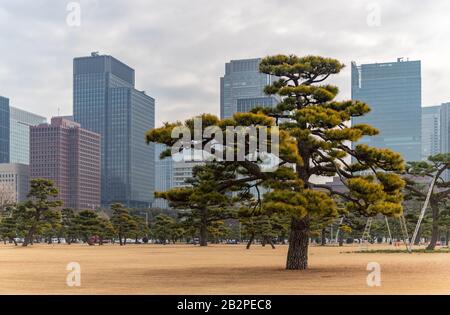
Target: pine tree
{"points": [[203, 203], [105, 230], [40, 209], [68, 229], [165, 228], [427, 171], [87, 225], [314, 140], [140, 228], [8, 229], [122, 221]]}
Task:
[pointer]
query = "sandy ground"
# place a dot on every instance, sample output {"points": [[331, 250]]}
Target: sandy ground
{"points": [[218, 269]]}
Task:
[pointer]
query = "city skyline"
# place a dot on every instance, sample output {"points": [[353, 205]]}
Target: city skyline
{"points": [[199, 63]]}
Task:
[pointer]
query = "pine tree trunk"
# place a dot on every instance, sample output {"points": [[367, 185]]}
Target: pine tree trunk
{"points": [[417, 240], [297, 258], [271, 244], [250, 241], [204, 228], [323, 238], [341, 239], [435, 229], [29, 237]]}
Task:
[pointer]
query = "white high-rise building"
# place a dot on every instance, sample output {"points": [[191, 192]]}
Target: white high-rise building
{"points": [[14, 182]]}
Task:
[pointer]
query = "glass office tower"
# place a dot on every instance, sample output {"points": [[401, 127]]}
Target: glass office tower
{"points": [[163, 175], [105, 101], [393, 92], [431, 131], [445, 132], [20, 123], [242, 80], [4, 130]]}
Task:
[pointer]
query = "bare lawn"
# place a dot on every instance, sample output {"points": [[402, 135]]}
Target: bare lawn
{"points": [[217, 269]]}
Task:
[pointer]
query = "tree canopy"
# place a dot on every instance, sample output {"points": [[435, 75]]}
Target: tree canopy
{"points": [[314, 140]]}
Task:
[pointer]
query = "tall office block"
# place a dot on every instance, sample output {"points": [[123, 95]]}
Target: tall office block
{"points": [[4, 130], [445, 132], [106, 102], [14, 179], [393, 91], [243, 82], [163, 175], [431, 131], [70, 156], [182, 171], [445, 128], [20, 123]]}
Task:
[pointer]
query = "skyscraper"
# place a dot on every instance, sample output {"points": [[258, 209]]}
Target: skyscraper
{"points": [[70, 156], [106, 102], [163, 175], [445, 132], [393, 91], [20, 123], [244, 83], [431, 131], [4, 130], [445, 128]]}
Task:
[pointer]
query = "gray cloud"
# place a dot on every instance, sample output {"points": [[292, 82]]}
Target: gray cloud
{"points": [[179, 47]]}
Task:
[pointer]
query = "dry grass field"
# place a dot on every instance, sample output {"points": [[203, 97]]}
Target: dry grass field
{"points": [[218, 269]]}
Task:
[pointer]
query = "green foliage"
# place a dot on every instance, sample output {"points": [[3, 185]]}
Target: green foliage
{"points": [[204, 203], [68, 228], [124, 224], [166, 229], [417, 176], [40, 211], [87, 225], [9, 229], [314, 141]]}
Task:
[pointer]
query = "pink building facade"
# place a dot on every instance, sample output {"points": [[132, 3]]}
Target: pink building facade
{"points": [[71, 157]]}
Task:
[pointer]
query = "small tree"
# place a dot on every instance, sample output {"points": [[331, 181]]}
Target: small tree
{"points": [[40, 209], [68, 228], [52, 226], [87, 224], [8, 229], [105, 230], [140, 228], [218, 231], [167, 228], [203, 203], [430, 171], [122, 221]]}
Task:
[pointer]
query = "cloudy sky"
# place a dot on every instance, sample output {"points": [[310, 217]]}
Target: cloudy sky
{"points": [[178, 47]]}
